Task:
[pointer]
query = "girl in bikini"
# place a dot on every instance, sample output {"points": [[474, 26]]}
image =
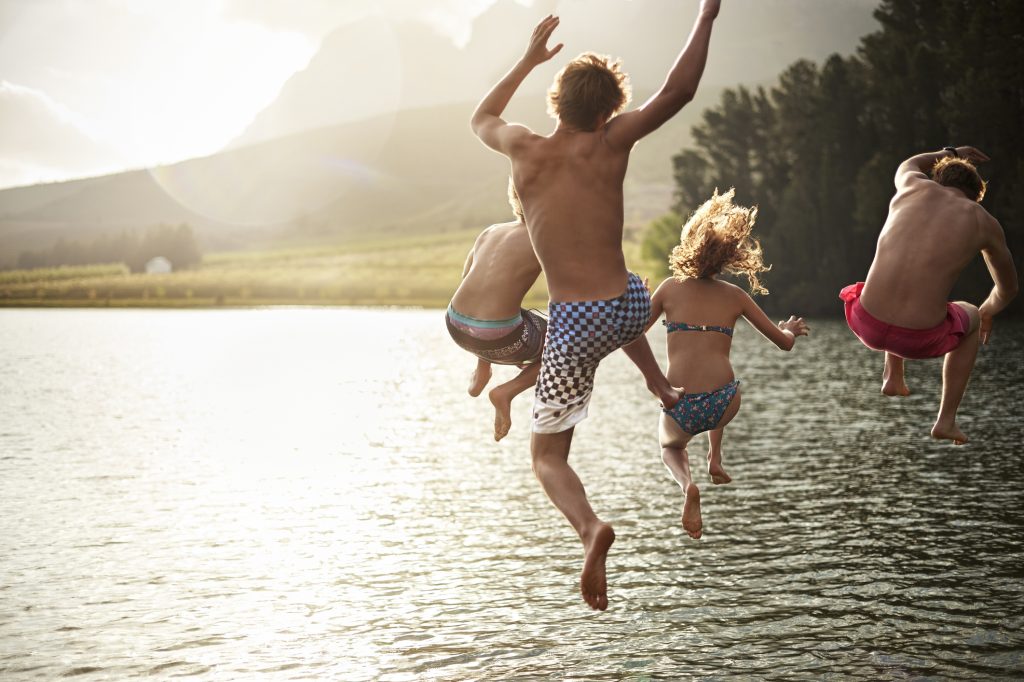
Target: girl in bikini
{"points": [[700, 313]]}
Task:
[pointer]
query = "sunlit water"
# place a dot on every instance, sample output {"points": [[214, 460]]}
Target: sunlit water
{"points": [[310, 493]]}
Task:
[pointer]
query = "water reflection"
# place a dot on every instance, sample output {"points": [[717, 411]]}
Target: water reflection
{"points": [[310, 493]]}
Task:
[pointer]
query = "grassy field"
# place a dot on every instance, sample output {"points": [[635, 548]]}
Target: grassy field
{"points": [[422, 272]]}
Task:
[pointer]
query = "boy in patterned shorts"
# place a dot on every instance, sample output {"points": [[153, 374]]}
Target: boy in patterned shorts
{"points": [[570, 183], [486, 317]]}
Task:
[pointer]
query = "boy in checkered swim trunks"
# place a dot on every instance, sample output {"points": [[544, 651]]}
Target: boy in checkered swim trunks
{"points": [[580, 335], [570, 183]]}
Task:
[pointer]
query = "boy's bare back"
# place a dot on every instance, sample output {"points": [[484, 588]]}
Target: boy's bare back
{"points": [[499, 272], [930, 236], [932, 233], [571, 185]]}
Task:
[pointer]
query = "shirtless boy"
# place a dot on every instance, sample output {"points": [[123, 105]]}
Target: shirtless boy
{"points": [[570, 183], [485, 317], [936, 226]]}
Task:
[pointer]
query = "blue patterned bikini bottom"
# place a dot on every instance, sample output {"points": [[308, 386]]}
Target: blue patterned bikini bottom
{"points": [[699, 412]]}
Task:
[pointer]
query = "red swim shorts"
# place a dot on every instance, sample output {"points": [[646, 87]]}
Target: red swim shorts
{"points": [[913, 344]]}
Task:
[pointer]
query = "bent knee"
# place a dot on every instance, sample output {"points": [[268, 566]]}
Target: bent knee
{"points": [[972, 313]]}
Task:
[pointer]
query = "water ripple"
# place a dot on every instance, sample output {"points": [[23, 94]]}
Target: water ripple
{"points": [[307, 494]]}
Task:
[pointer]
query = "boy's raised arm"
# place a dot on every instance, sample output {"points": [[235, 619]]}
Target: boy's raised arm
{"points": [[678, 89], [487, 123], [1004, 276], [919, 166]]}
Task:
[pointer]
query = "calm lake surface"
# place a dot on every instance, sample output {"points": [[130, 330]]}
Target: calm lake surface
{"points": [[310, 494]]}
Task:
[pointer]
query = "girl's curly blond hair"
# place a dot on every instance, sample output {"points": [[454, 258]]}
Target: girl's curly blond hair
{"points": [[717, 238]]}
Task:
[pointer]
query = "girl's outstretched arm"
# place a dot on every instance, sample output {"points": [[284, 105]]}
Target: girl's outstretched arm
{"points": [[783, 334]]}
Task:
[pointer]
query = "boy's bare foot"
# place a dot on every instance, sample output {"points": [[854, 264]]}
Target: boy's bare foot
{"points": [[692, 522], [950, 431], [593, 582], [502, 401], [716, 472], [895, 387], [481, 375]]}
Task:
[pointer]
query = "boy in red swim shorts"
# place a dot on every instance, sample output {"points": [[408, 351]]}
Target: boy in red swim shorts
{"points": [[935, 227]]}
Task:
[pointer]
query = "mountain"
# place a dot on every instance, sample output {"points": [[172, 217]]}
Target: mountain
{"points": [[373, 137], [416, 172], [373, 66]]}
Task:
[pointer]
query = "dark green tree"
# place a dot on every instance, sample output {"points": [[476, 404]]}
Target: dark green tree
{"points": [[817, 152]]}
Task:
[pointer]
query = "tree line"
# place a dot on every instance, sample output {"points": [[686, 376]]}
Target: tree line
{"points": [[134, 249], [817, 152]]}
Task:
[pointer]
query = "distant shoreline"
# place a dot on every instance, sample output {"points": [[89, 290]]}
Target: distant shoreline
{"points": [[239, 303]]}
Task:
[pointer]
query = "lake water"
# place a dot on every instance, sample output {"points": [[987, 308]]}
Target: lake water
{"points": [[310, 494]]}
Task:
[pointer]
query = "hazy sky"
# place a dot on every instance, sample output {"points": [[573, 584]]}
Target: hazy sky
{"points": [[95, 86], [92, 86]]}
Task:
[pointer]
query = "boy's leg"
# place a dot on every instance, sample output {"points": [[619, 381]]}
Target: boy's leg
{"points": [[640, 353], [501, 397], [893, 381], [550, 453], [481, 375], [956, 371], [676, 459]]}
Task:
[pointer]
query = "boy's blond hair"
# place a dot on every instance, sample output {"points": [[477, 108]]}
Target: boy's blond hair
{"points": [[514, 202], [588, 91], [717, 238]]}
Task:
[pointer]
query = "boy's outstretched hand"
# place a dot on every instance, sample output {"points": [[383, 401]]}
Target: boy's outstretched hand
{"points": [[986, 325], [795, 325], [537, 51], [710, 7], [972, 154]]}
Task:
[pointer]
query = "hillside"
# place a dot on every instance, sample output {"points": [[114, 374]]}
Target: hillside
{"points": [[329, 159], [418, 172]]}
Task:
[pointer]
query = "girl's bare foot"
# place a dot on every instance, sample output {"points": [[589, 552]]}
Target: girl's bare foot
{"points": [[501, 398], [481, 375], [593, 582], [716, 472], [692, 522], [949, 431]]}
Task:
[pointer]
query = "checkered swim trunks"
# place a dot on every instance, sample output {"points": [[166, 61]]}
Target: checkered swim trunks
{"points": [[580, 335]]}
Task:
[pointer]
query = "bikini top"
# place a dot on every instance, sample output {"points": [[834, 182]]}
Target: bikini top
{"points": [[683, 327]]}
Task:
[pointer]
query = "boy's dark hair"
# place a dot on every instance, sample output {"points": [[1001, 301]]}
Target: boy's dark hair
{"points": [[953, 171]]}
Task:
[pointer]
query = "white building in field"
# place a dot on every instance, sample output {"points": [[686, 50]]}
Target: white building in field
{"points": [[158, 266]]}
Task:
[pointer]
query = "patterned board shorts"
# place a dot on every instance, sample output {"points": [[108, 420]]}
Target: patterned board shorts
{"points": [[580, 335], [520, 346]]}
